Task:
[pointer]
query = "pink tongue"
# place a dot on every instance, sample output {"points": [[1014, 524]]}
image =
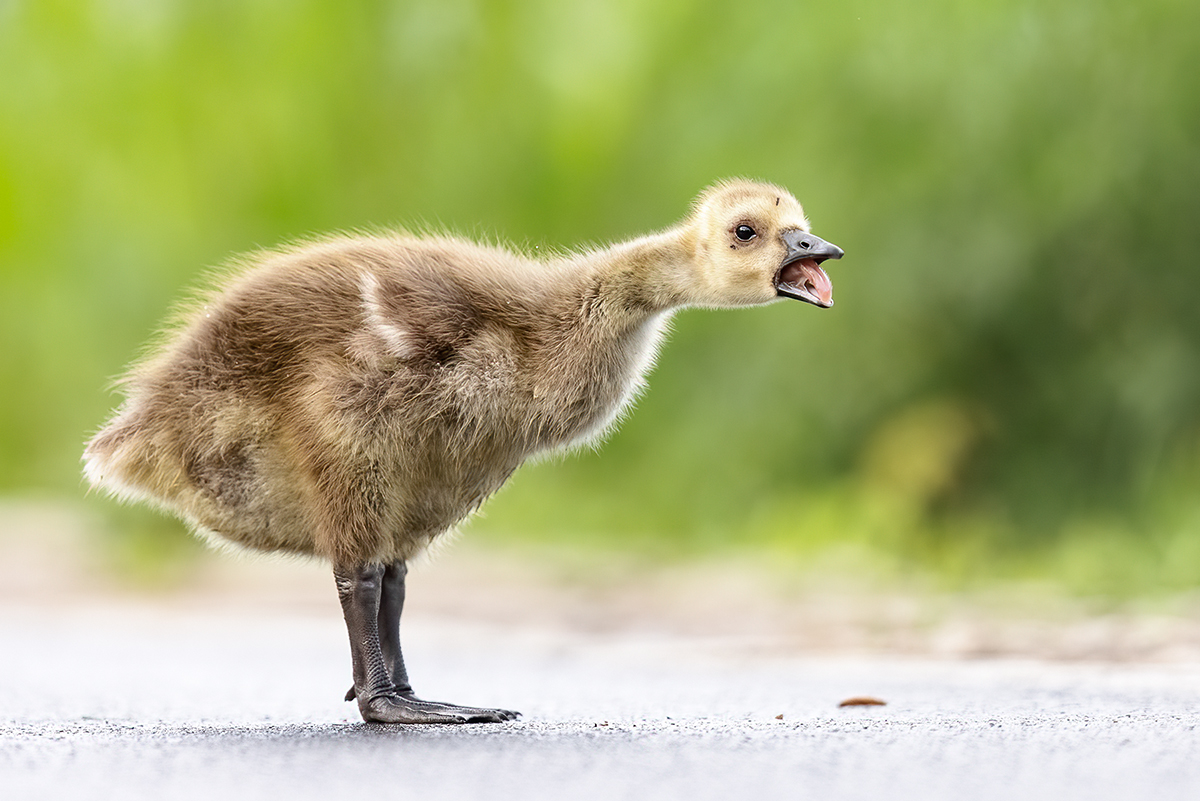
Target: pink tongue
{"points": [[806, 273]]}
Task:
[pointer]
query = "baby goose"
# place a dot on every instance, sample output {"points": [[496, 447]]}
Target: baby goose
{"points": [[356, 398]]}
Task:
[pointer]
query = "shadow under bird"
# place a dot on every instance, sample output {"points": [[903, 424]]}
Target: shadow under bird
{"points": [[356, 398]]}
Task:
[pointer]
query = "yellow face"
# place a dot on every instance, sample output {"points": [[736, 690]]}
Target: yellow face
{"points": [[754, 245]]}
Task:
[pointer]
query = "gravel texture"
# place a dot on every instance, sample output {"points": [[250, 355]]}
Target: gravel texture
{"points": [[181, 701]]}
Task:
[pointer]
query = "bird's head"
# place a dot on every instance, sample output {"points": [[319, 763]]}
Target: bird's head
{"points": [[753, 245]]}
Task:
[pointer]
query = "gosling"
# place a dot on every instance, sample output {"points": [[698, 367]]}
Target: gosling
{"points": [[357, 398]]}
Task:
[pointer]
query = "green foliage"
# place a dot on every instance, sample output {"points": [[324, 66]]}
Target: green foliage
{"points": [[1008, 384]]}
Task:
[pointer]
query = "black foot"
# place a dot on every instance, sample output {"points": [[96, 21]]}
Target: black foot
{"points": [[395, 708], [372, 598]]}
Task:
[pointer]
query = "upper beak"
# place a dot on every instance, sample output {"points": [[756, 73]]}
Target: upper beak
{"points": [[800, 275]]}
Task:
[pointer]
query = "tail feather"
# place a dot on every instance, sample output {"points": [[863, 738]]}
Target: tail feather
{"points": [[118, 461]]}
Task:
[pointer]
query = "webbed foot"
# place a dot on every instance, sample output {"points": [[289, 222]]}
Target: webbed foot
{"points": [[395, 708]]}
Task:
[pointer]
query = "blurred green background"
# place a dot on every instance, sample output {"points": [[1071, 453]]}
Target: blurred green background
{"points": [[1006, 389]]}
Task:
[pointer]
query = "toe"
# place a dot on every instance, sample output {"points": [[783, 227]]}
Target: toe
{"points": [[395, 708]]}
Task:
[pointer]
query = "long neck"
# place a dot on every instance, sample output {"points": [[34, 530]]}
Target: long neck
{"points": [[636, 280], [616, 302]]}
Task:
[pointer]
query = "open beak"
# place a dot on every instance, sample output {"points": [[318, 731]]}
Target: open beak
{"points": [[800, 275]]}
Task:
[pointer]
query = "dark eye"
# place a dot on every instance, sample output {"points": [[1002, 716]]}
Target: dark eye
{"points": [[744, 233]]}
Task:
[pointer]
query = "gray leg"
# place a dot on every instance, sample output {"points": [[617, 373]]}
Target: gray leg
{"points": [[372, 599], [391, 606]]}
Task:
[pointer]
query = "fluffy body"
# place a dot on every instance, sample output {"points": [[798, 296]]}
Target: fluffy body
{"points": [[356, 398]]}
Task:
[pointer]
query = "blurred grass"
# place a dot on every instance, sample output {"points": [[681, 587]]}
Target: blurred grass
{"points": [[1008, 387]]}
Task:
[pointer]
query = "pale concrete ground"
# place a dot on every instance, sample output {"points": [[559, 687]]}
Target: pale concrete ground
{"points": [[182, 702], [662, 684]]}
